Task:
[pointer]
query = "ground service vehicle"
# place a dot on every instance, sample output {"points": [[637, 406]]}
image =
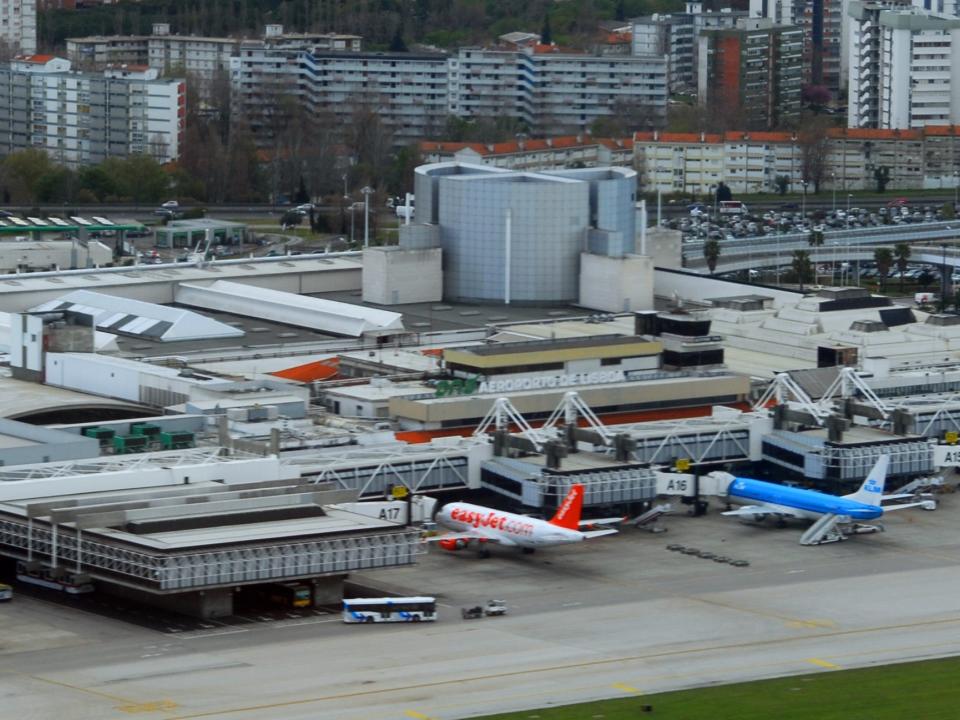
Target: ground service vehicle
{"points": [[6, 593], [389, 609], [493, 607], [291, 594]]}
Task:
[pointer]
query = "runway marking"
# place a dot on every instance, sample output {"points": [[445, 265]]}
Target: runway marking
{"points": [[417, 715], [197, 634], [790, 621], [149, 707], [627, 688], [78, 688], [570, 666], [811, 624], [823, 663]]}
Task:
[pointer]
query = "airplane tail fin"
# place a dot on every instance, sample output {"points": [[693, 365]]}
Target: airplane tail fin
{"points": [[568, 514], [871, 492]]}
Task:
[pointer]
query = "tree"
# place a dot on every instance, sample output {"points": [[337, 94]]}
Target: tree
{"points": [[882, 177], [902, 253], [23, 170], [925, 279], [396, 42], [883, 257], [802, 267], [815, 95], [139, 178], [626, 116], [723, 192], [783, 183], [948, 211], [711, 253], [546, 35], [815, 238], [813, 142]]}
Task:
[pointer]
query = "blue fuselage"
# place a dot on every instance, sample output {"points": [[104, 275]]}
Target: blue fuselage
{"points": [[807, 503]]}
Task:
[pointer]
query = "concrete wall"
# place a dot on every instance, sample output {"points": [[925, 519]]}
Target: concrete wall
{"points": [[43, 445], [664, 246], [616, 284], [89, 374], [690, 286], [394, 276], [548, 224]]}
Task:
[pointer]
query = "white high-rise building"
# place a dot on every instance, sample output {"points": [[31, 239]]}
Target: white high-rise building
{"points": [[903, 64], [18, 25], [84, 118]]}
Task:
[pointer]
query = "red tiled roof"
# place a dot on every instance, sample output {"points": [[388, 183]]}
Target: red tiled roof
{"points": [[942, 130], [39, 59], [875, 134], [451, 147], [616, 143]]}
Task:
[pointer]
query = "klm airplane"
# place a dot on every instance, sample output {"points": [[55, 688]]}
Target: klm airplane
{"points": [[834, 517]]}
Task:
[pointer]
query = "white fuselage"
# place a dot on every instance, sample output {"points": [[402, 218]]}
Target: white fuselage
{"points": [[504, 527]]}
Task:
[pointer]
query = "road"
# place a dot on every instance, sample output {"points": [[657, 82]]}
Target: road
{"points": [[618, 616]]}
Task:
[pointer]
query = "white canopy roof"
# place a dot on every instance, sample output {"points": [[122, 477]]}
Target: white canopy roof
{"points": [[140, 319], [283, 307]]}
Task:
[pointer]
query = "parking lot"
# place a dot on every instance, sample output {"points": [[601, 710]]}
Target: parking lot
{"points": [[706, 222]]}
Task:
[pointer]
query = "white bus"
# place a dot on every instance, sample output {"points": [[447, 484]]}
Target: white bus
{"points": [[389, 609]]}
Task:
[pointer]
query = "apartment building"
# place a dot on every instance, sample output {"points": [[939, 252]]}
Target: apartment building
{"points": [[549, 90], [84, 118], [903, 65], [823, 25], [554, 91], [535, 154], [671, 36], [750, 162], [18, 26], [675, 36], [572, 90], [203, 58], [407, 90], [754, 66]]}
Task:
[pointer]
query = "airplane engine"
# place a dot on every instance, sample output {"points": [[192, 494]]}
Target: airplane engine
{"points": [[453, 545]]}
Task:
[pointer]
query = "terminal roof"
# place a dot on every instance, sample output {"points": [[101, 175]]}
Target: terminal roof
{"points": [[139, 319]]}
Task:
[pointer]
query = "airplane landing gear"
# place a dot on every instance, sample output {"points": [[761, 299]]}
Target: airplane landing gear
{"points": [[529, 550]]}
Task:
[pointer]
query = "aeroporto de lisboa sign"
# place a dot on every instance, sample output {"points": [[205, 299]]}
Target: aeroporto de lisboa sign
{"points": [[472, 386]]}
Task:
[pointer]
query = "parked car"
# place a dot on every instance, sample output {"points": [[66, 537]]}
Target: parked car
{"points": [[173, 204]]}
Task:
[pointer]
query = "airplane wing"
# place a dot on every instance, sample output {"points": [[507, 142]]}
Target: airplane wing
{"points": [[602, 521], [925, 504], [475, 534], [901, 496], [754, 510], [600, 533]]}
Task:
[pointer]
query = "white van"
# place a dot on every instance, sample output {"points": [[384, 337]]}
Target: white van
{"points": [[401, 209]]}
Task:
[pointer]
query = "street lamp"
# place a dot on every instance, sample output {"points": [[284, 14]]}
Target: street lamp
{"points": [[346, 196], [716, 213], [956, 188], [367, 192], [352, 216], [803, 201], [943, 278], [849, 195], [833, 183]]}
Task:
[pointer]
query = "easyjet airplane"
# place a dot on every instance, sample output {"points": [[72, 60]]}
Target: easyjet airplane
{"points": [[482, 525]]}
